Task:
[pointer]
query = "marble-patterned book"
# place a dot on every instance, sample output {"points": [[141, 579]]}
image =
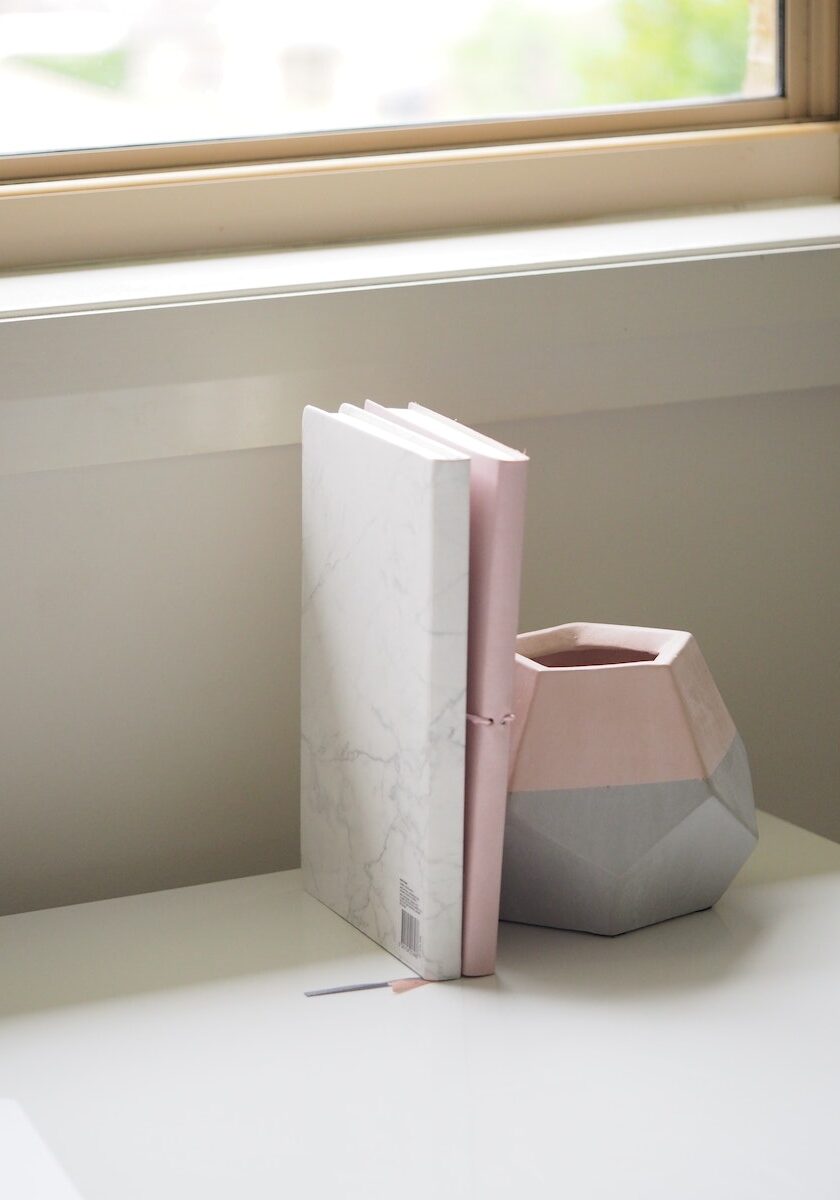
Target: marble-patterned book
{"points": [[385, 569]]}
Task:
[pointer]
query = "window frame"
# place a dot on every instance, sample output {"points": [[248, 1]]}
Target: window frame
{"points": [[166, 199]]}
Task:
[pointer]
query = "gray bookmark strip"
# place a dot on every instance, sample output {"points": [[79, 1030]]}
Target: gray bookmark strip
{"points": [[348, 987]]}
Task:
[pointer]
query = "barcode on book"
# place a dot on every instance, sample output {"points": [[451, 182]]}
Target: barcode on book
{"points": [[410, 933]]}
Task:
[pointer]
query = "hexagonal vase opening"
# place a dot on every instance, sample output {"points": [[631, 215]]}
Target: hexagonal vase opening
{"points": [[630, 800]]}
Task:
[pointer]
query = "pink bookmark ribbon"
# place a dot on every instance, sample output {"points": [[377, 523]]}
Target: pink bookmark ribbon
{"points": [[398, 986]]}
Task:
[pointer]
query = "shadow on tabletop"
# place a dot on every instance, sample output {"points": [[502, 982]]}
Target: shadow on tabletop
{"points": [[686, 954], [267, 926], [682, 955], [189, 937], [787, 852]]}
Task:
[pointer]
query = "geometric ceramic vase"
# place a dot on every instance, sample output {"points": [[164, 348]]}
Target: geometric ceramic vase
{"points": [[630, 796]]}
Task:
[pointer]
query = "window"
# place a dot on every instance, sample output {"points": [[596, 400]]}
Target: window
{"points": [[84, 75], [117, 99]]}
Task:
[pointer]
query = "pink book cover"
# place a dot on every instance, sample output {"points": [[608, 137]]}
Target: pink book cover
{"points": [[498, 478]]}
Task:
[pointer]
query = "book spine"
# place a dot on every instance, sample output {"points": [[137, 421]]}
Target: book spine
{"points": [[447, 606]]}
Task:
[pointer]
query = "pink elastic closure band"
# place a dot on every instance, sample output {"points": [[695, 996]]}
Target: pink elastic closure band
{"points": [[505, 720]]}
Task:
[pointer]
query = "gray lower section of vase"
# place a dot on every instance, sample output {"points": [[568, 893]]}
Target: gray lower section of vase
{"points": [[608, 860]]}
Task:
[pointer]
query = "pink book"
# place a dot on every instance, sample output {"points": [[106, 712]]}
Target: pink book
{"points": [[497, 514]]}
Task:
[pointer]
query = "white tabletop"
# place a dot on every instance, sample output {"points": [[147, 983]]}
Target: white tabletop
{"points": [[163, 1049]]}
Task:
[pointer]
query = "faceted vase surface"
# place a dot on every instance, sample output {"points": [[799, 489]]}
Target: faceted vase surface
{"points": [[630, 798]]}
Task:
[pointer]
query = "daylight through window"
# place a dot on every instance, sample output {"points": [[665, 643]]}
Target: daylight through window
{"points": [[85, 74]]}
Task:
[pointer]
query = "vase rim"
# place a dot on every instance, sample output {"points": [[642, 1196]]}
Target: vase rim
{"points": [[609, 647]]}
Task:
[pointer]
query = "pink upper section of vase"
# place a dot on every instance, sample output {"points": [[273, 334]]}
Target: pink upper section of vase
{"points": [[611, 705]]}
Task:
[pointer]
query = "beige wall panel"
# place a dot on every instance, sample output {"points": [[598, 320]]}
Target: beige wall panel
{"points": [[148, 701]]}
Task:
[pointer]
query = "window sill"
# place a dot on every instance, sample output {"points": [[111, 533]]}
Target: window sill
{"points": [[122, 363], [735, 229], [322, 200]]}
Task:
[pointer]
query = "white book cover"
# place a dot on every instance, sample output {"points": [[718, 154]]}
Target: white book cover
{"points": [[385, 578]]}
